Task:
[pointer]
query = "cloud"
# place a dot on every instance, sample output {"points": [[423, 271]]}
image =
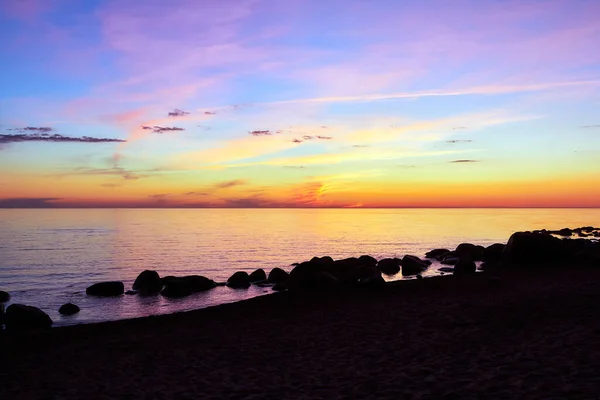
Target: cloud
{"points": [[28, 202], [455, 141], [297, 140], [460, 128], [54, 138], [111, 185], [161, 129], [36, 129], [464, 161], [229, 184], [210, 113], [591, 126], [324, 137], [177, 113], [261, 133]]}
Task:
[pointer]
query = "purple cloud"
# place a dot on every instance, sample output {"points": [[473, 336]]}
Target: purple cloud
{"points": [[261, 133], [161, 129], [177, 113]]}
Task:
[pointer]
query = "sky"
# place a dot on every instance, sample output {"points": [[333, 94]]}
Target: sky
{"points": [[299, 103]]}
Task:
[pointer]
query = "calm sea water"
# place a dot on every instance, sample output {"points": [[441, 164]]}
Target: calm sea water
{"points": [[49, 257]]}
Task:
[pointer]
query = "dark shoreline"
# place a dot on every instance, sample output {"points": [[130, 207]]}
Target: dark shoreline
{"points": [[512, 334]]}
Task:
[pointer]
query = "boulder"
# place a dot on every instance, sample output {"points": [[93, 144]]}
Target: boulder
{"points": [[106, 289], [186, 285], [258, 275], [446, 269], [412, 265], [435, 253], [325, 261], [278, 287], [474, 252], [68, 309], [449, 260], [310, 275], [365, 259], [493, 252], [565, 232], [277, 275], [239, 280], [464, 266], [131, 292], [389, 266], [22, 317], [4, 296], [148, 283], [370, 278], [528, 249]]}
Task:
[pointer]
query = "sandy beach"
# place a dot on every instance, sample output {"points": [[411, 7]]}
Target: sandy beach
{"points": [[517, 335]]}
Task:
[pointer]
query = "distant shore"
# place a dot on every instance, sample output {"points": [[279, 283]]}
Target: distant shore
{"points": [[502, 334]]}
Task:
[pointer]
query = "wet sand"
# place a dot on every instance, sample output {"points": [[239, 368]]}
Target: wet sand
{"points": [[517, 336]]}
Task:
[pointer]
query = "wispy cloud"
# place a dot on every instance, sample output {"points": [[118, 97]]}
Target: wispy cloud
{"points": [[161, 129], [464, 161], [591, 126], [229, 184], [52, 138], [456, 141], [177, 113], [28, 202]]}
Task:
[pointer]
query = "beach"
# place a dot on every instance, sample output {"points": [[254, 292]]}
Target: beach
{"points": [[500, 335]]}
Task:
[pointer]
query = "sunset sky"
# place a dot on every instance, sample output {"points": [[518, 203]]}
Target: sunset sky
{"points": [[299, 103]]}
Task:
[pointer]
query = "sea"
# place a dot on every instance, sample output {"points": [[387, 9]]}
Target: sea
{"points": [[48, 257]]}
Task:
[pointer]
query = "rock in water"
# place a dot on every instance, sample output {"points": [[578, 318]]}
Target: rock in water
{"points": [[493, 252], [464, 266], [106, 289], [258, 275], [277, 275], [528, 249], [4, 296], [367, 260], [148, 283], [68, 309], [239, 280], [186, 285], [412, 265], [389, 266], [435, 253], [22, 317]]}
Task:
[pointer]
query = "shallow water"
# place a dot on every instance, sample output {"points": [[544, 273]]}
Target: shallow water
{"points": [[49, 257]]}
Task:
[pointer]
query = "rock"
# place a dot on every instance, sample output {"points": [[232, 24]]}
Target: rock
{"points": [[239, 280], [419, 276], [148, 283], [324, 261], [449, 260], [565, 232], [370, 277], [106, 289], [446, 269], [412, 265], [493, 252], [528, 249], [278, 287], [389, 266], [365, 259], [277, 275], [464, 266], [258, 275], [474, 252], [21, 317], [435, 253], [4, 296], [68, 309], [131, 292], [186, 285], [310, 275]]}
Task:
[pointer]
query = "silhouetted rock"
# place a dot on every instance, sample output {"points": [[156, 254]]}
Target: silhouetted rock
{"points": [[239, 280], [258, 275], [106, 289], [131, 292], [148, 283], [311, 275], [449, 260], [185, 285], [21, 317], [325, 261], [366, 259], [528, 249], [435, 253], [493, 252], [4, 296], [412, 265], [277, 275], [278, 287], [474, 252], [464, 266], [419, 276], [389, 266], [446, 269], [370, 277], [68, 309], [565, 232]]}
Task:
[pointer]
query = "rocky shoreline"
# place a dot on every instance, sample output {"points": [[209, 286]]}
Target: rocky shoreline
{"points": [[524, 250]]}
